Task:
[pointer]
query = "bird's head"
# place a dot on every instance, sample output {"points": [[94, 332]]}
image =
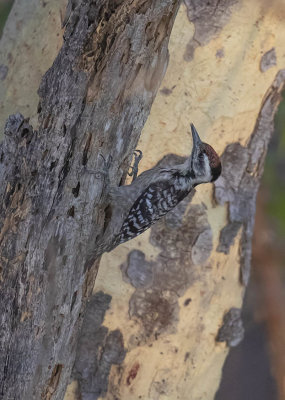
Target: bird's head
{"points": [[205, 162]]}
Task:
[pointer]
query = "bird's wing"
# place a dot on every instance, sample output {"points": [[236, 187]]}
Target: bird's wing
{"points": [[157, 199]]}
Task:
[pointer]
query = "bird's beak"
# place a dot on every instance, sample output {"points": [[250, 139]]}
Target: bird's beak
{"points": [[196, 139]]}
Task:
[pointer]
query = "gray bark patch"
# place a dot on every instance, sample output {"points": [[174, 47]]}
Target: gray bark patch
{"points": [[268, 60], [166, 91], [232, 330], [98, 349], [240, 178], [3, 72], [138, 271], [202, 248], [220, 53], [209, 17], [227, 237]]}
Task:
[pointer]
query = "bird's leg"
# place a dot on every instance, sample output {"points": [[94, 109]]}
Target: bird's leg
{"points": [[135, 167]]}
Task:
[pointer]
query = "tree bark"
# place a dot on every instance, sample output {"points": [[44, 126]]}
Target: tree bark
{"points": [[93, 101], [175, 292]]}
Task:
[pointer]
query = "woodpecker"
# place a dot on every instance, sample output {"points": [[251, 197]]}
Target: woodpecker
{"points": [[155, 192]]}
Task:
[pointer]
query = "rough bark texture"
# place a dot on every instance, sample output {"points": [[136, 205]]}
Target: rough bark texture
{"points": [[94, 101], [175, 292]]}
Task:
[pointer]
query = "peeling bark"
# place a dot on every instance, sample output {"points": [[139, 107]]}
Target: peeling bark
{"points": [[94, 101], [239, 183], [213, 14], [232, 330], [98, 349]]}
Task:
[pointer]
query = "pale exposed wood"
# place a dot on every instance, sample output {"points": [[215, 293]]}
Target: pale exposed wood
{"points": [[31, 40]]}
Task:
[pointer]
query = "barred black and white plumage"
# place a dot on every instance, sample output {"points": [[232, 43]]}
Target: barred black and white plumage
{"points": [[151, 205], [155, 192]]}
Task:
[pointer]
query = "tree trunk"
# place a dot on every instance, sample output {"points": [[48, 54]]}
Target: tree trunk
{"points": [[94, 101], [151, 325], [175, 292]]}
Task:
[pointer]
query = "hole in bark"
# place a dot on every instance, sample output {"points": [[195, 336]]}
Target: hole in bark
{"points": [[39, 108], [107, 16], [54, 379], [92, 14], [19, 186], [187, 302], [71, 212], [66, 166], [64, 129], [58, 331], [73, 300], [75, 191], [52, 165], [108, 215], [25, 132], [85, 151], [122, 180]]}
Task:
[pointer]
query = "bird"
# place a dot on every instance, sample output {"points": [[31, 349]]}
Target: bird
{"points": [[157, 191]]}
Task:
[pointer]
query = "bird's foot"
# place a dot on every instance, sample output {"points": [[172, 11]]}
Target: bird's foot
{"points": [[135, 167]]}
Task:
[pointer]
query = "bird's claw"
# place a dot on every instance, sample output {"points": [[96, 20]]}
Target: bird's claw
{"points": [[135, 167]]}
